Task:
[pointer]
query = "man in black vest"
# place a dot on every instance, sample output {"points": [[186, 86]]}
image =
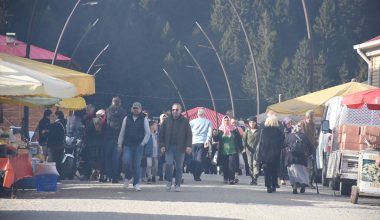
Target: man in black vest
{"points": [[134, 134]]}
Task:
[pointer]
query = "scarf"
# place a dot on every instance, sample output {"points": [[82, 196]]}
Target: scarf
{"points": [[226, 129]]}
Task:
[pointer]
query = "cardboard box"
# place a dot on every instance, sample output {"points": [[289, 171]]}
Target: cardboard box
{"points": [[351, 129], [370, 130], [349, 146], [350, 138]]}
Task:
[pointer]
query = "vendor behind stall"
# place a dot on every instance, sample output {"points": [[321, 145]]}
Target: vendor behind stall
{"points": [[43, 129], [55, 140]]}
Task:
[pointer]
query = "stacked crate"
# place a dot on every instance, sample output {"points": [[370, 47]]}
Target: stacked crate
{"points": [[356, 138], [349, 137]]}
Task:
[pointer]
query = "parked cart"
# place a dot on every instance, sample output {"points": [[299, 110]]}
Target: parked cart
{"points": [[368, 181]]}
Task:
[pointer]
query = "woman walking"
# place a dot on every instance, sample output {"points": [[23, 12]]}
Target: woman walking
{"points": [[269, 151], [230, 144], [299, 148]]}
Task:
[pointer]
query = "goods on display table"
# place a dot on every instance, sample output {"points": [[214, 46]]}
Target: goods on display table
{"points": [[22, 164]]}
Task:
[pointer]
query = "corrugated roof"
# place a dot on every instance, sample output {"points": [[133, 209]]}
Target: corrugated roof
{"points": [[19, 49]]}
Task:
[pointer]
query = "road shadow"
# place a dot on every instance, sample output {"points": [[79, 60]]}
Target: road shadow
{"points": [[210, 190], [59, 215]]}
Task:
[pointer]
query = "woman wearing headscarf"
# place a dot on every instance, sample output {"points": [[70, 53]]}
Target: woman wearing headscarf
{"points": [[283, 172], [230, 144], [269, 151], [297, 159]]}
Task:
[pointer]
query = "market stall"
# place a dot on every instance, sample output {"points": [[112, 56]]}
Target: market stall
{"points": [[30, 83]]}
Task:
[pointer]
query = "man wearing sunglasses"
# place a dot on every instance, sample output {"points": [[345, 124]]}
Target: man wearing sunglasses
{"points": [[175, 137]]}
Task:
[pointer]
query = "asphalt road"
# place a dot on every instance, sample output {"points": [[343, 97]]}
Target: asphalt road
{"points": [[209, 199]]}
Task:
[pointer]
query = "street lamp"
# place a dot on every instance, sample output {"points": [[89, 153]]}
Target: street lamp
{"points": [[80, 41], [179, 94], [64, 27], [252, 59], [96, 58], [221, 64], [206, 81]]}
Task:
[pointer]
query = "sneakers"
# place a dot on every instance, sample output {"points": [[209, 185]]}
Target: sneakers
{"points": [[302, 188], [253, 182], [295, 191], [177, 188], [149, 181], [137, 187], [168, 186], [126, 184]]}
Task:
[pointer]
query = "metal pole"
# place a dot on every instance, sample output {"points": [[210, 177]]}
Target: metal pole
{"points": [[252, 59], [221, 64], [63, 30], [27, 53], [179, 94], [96, 58], [206, 81], [309, 36], [97, 71], [80, 41]]}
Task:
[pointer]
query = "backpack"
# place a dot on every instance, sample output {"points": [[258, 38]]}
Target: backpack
{"points": [[298, 147]]}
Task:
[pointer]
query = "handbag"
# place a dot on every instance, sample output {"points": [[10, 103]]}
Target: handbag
{"points": [[297, 148], [214, 160], [241, 161]]}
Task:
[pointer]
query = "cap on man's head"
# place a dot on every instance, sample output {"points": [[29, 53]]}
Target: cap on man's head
{"points": [[136, 105]]}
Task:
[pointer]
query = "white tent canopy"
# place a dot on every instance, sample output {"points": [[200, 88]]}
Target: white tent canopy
{"points": [[20, 81]]}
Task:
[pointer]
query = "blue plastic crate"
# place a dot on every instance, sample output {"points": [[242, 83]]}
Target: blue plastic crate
{"points": [[46, 183]]}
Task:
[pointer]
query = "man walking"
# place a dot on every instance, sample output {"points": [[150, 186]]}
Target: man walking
{"points": [[308, 128], [175, 137], [134, 134], [201, 129], [114, 116]]}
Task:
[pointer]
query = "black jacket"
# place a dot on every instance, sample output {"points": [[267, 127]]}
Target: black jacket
{"points": [[56, 136], [292, 159], [271, 143]]}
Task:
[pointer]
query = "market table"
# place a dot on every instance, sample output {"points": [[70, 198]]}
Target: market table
{"points": [[16, 167]]}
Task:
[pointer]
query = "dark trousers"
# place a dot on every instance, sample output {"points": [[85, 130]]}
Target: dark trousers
{"points": [[112, 158], [229, 166], [271, 175], [199, 154], [56, 155], [161, 162]]}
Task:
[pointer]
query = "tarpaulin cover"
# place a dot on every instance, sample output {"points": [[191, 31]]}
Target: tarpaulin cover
{"points": [[315, 101]]}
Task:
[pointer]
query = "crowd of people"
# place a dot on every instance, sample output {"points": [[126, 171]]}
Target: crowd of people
{"points": [[116, 142]]}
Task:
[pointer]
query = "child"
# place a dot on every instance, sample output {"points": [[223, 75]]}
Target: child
{"points": [[151, 153]]}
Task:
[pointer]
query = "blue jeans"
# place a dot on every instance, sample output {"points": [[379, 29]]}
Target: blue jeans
{"points": [[111, 155], [132, 162], [171, 156]]}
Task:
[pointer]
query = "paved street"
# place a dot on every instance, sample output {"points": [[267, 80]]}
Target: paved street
{"points": [[209, 199]]}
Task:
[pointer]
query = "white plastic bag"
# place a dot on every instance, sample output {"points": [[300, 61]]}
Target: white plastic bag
{"points": [[214, 160]]}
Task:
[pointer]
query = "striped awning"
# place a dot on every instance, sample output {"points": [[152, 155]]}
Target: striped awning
{"points": [[213, 116]]}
